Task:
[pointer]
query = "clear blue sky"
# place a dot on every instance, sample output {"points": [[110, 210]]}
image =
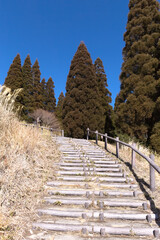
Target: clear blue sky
{"points": [[51, 30]]}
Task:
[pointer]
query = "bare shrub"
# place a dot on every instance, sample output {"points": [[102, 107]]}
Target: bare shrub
{"points": [[45, 118]]}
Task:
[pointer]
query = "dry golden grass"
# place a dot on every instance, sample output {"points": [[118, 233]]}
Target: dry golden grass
{"points": [[141, 172], [26, 163]]}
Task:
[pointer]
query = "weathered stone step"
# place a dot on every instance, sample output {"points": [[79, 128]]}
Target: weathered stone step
{"points": [[94, 214], [81, 163], [106, 203], [88, 193], [69, 236], [89, 169], [103, 230], [78, 237], [84, 173], [94, 179], [73, 157], [90, 185]]}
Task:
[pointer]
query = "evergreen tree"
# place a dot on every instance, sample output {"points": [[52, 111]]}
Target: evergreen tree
{"points": [[140, 82], [37, 90], [50, 99], [60, 107], [14, 80], [104, 97], [44, 94], [14, 77], [81, 108], [27, 93]]}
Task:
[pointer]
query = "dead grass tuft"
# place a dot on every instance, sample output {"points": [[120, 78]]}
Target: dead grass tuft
{"points": [[26, 163]]}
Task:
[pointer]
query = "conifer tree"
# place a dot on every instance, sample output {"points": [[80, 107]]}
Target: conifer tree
{"points": [[135, 103], [50, 96], [81, 108], [37, 90], [27, 93], [44, 94], [14, 77], [104, 96], [59, 107], [14, 80]]}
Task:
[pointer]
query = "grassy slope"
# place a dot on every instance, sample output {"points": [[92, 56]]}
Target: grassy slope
{"points": [[26, 163]]}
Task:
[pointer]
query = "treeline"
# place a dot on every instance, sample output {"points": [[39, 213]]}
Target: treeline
{"points": [[137, 106], [87, 100], [35, 94]]}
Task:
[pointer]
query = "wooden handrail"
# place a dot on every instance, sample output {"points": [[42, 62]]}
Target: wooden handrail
{"points": [[150, 159], [49, 129]]}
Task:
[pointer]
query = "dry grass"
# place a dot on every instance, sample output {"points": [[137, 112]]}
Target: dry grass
{"points": [[26, 163], [141, 172]]}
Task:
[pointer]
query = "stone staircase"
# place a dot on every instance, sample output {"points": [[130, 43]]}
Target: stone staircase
{"points": [[93, 198]]}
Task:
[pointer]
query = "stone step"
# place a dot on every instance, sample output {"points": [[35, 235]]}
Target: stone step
{"points": [[90, 185], [89, 169], [102, 230], [106, 203], [81, 163], [94, 179], [69, 236], [101, 215], [88, 193], [84, 173]]}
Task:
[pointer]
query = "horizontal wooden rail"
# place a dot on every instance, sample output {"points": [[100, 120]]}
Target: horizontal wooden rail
{"points": [[149, 159], [49, 129]]}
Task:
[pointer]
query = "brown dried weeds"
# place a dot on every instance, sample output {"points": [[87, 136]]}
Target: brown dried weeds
{"points": [[26, 163]]}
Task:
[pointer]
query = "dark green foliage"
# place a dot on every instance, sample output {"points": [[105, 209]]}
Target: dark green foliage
{"points": [[34, 94], [37, 89], [81, 108], [14, 77], [44, 94], [155, 137], [14, 80], [50, 96], [27, 93], [60, 107], [104, 98], [135, 105]]}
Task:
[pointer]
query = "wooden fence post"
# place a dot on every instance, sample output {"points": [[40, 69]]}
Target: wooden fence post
{"points": [[117, 147], [51, 130], [105, 141], [62, 133], [96, 132], [87, 133], [152, 175], [133, 156]]}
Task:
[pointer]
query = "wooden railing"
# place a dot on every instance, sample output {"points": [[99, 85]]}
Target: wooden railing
{"points": [[149, 159], [51, 130]]}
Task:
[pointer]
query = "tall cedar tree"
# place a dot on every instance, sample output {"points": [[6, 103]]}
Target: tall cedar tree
{"points": [[27, 93], [14, 77], [104, 97], [81, 108], [44, 94], [14, 80], [140, 83], [37, 89], [50, 96], [59, 107]]}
